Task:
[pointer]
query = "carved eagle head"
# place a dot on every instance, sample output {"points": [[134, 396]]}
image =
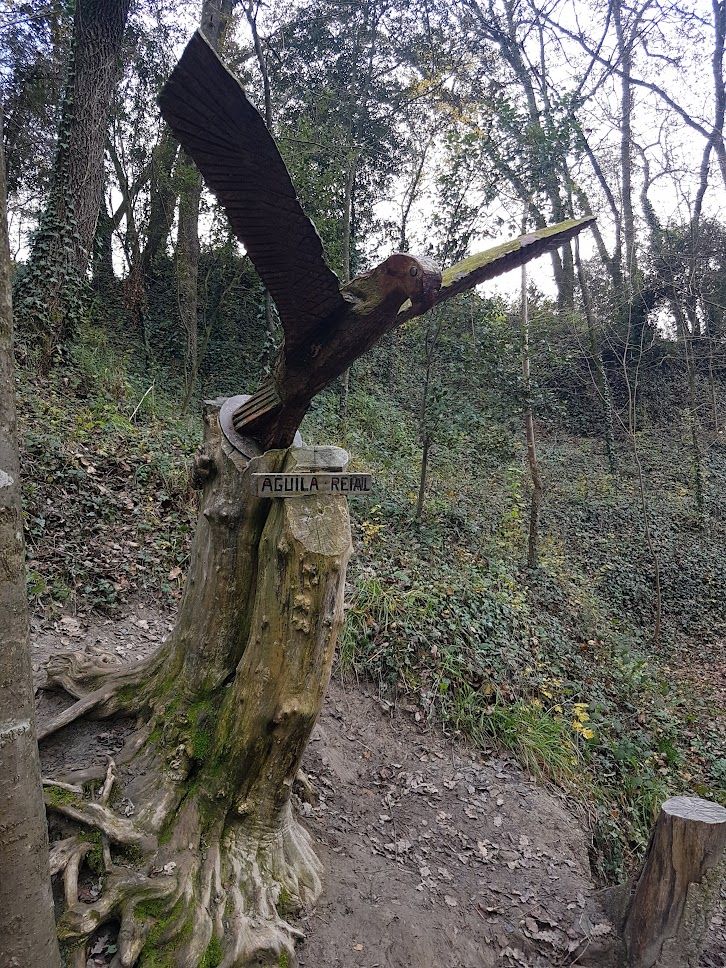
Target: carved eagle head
{"points": [[418, 276]]}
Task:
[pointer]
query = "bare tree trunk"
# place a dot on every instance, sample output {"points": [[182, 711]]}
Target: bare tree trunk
{"points": [[251, 12], [719, 87], [214, 22], [625, 52], [631, 384], [187, 270], [711, 377], [358, 94], [432, 337], [347, 272], [533, 537], [632, 388], [103, 275], [134, 286], [602, 384], [391, 343], [50, 296], [506, 31], [162, 200], [693, 424], [27, 926], [685, 333], [422, 480]]}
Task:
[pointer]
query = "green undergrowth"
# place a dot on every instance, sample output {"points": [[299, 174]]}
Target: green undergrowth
{"points": [[105, 456], [555, 664]]}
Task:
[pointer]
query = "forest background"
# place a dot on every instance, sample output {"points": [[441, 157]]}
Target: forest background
{"points": [[543, 563]]}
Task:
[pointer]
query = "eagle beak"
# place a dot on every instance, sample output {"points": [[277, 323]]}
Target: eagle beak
{"points": [[429, 290]]}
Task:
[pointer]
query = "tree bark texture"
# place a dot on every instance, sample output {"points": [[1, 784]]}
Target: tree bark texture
{"points": [[228, 704], [95, 68], [678, 885], [27, 928], [50, 295]]}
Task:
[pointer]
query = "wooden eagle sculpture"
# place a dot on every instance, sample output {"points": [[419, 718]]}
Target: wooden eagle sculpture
{"points": [[326, 326]]}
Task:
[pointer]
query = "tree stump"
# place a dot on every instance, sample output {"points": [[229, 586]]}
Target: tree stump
{"points": [[678, 883], [212, 861]]}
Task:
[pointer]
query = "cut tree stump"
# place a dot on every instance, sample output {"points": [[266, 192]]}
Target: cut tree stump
{"points": [[212, 863], [678, 885]]}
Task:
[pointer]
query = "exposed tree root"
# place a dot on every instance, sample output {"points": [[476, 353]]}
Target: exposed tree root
{"points": [[97, 815], [70, 873], [217, 888], [101, 687], [70, 787], [81, 708], [61, 852], [80, 673]]}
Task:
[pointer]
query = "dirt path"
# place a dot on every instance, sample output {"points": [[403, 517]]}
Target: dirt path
{"points": [[436, 856]]}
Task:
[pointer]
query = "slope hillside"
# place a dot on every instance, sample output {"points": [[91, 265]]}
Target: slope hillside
{"points": [[555, 666]]}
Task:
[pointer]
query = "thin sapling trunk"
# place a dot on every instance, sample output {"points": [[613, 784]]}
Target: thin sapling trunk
{"points": [[532, 461]]}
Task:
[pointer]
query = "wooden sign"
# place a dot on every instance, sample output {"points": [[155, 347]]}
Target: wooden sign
{"points": [[305, 484]]}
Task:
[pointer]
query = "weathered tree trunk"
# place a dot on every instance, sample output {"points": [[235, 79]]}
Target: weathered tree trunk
{"points": [[229, 703], [27, 928], [678, 885], [50, 295]]}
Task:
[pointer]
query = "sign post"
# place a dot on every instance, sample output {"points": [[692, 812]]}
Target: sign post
{"points": [[308, 483]]}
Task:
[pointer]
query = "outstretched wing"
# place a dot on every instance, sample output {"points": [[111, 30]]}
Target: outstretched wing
{"points": [[208, 111], [493, 262]]}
